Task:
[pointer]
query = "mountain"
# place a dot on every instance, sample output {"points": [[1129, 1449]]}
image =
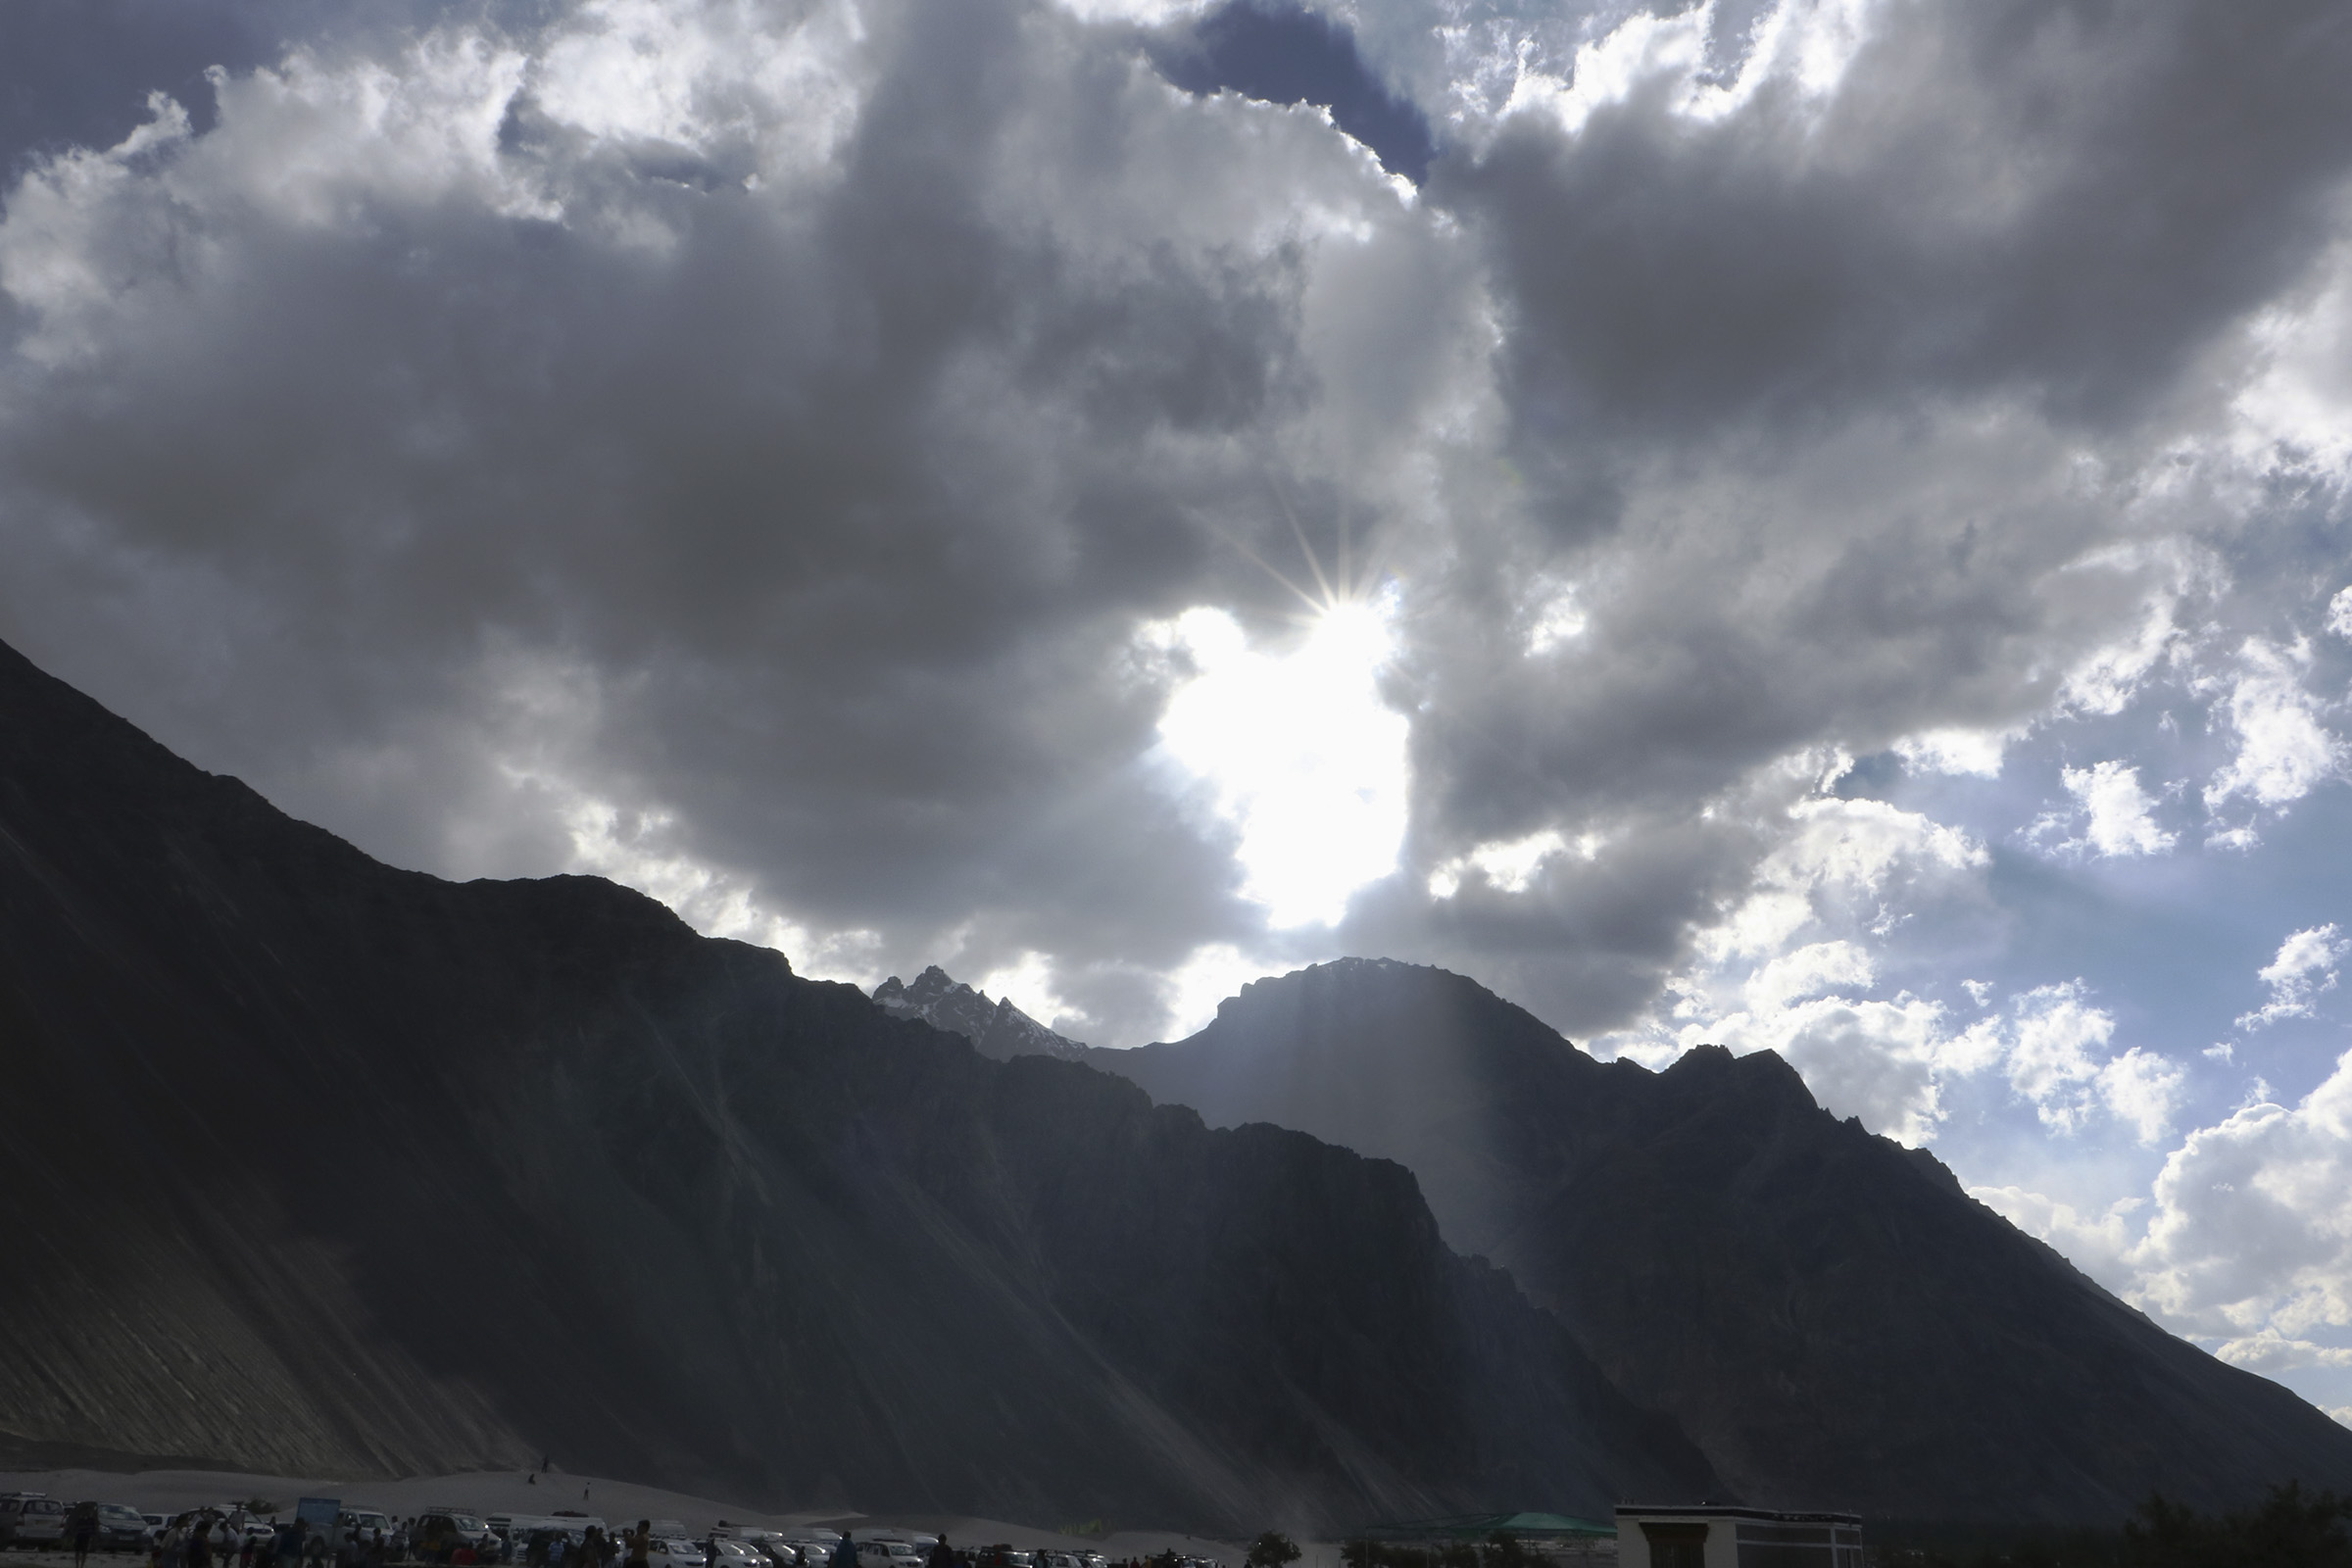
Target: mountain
{"points": [[997, 1029], [316, 1167], [1828, 1314]]}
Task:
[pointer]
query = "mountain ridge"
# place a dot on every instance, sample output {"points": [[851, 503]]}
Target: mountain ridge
{"points": [[346, 1170], [1829, 1314]]}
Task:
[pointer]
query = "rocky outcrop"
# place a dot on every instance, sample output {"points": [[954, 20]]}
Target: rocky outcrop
{"points": [[318, 1165], [1831, 1317], [997, 1029]]}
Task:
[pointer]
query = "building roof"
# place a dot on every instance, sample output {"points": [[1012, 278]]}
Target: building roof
{"points": [[1722, 1510]]}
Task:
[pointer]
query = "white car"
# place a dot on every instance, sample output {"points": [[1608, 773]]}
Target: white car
{"points": [[673, 1551], [356, 1526], [30, 1519], [888, 1555]]}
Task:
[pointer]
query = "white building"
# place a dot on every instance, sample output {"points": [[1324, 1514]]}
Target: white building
{"points": [[1709, 1536]]}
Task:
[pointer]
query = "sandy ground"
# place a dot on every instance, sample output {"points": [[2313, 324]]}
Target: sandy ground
{"points": [[508, 1491]]}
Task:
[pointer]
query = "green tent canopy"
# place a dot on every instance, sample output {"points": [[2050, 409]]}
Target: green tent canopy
{"points": [[1483, 1526]]}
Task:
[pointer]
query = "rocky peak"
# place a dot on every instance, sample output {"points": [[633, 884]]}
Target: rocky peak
{"points": [[996, 1029]]}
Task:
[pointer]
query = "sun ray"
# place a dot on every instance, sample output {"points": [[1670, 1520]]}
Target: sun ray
{"points": [[1263, 565], [1298, 532]]}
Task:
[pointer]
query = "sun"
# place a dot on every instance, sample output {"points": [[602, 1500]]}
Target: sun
{"points": [[1302, 757]]}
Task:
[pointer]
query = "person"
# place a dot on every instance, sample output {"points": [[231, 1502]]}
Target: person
{"points": [[199, 1549], [641, 1542], [845, 1552], [82, 1526], [942, 1555]]}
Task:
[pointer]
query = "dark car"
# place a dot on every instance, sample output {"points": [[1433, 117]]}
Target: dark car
{"points": [[121, 1527]]}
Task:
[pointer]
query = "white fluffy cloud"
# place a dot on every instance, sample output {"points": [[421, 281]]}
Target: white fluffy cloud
{"points": [[2119, 815], [1888, 1057], [2304, 968], [2285, 746], [2054, 1053], [2253, 1220], [2246, 1237]]}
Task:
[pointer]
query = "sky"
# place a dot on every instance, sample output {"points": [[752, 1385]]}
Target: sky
{"points": [[1816, 526]]}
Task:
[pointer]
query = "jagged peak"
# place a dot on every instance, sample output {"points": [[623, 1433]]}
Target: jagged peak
{"points": [[996, 1026]]}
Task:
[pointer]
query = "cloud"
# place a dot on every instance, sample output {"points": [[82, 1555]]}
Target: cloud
{"points": [[2102, 1244], [829, 416], [2283, 749], [2270, 1351], [745, 449], [2252, 1225], [2304, 968], [1508, 866], [2120, 813], [2055, 1059], [1969, 752]]}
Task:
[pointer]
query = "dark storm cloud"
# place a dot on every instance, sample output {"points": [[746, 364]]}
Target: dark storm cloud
{"points": [[751, 439], [1837, 416], [2061, 200], [780, 454], [820, 513]]}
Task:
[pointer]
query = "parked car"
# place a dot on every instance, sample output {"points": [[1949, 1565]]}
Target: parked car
{"points": [[358, 1526], [888, 1555], [737, 1554], [30, 1519], [122, 1528]]}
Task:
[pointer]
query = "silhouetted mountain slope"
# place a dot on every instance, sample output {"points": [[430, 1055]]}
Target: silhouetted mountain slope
{"points": [[1828, 1314], [317, 1164]]}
